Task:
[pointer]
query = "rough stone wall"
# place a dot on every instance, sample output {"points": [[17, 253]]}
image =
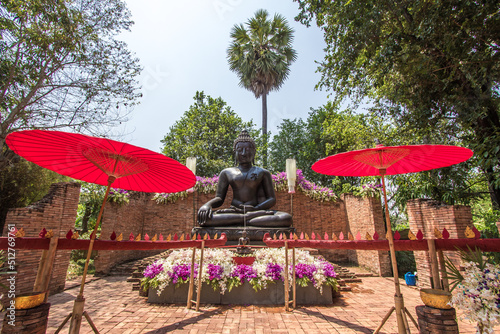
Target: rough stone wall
{"points": [[56, 212], [425, 215], [143, 215]]}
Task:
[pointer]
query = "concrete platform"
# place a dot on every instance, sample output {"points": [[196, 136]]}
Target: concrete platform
{"points": [[244, 295]]}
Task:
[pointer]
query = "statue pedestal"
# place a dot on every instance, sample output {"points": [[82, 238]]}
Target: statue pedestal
{"points": [[234, 233]]}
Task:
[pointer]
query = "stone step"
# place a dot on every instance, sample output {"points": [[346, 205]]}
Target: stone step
{"points": [[353, 280], [138, 274], [133, 279], [128, 268], [346, 275], [365, 275]]}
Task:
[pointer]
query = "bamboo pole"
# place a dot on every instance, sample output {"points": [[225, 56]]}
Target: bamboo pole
{"points": [[293, 280], [434, 264], [45, 268], [287, 304], [398, 297], [444, 276], [191, 281], [200, 272]]}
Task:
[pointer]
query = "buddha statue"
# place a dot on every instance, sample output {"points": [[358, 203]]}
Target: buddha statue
{"points": [[253, 193]]}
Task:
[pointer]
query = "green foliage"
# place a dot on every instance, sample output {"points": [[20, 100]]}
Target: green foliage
{"points": [[233, 282], [77, 263], [261, 53], [302, 281], [165, 198], [214, 283], [118, 196], [91, 198], [454, 275], [206, 131], [485, 219], [346, 131], [91, 201], [406, 262], [327, 131], [450, 185], [23, 183], [62, 67], [333, 283], [432, 65], [147, 283], [302, 141]]}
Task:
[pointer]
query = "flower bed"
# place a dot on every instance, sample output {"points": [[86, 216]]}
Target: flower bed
{"points": [[223, 275], [208, 185]]}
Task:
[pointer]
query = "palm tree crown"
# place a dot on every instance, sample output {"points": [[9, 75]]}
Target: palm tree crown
{"points": [[261, 54]]}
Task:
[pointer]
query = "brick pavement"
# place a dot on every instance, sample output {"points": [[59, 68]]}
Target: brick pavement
{"points": [[114, 308]]}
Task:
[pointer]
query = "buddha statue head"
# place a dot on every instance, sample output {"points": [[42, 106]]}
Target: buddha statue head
{"points": [[244, 148]]}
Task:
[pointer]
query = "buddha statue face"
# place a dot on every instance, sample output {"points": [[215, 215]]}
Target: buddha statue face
{"points": [[245, 152]]}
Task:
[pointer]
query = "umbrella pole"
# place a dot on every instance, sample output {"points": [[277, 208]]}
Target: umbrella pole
{"points": [[76, 316], [398, 297]]}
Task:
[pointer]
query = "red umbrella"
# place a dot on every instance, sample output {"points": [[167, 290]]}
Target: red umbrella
{"points": [[95, 160], [101, 161], [392, 160]]}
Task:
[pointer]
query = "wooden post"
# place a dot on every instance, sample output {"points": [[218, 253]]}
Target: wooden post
{"points": [[200, 272], [398, 297], [446, 284], [76, 316], [191, 280], [286, 278], [293, 280], [45, 268], [434, 263]]}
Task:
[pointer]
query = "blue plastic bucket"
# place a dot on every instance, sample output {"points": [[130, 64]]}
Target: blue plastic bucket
{"points": [[410, 279]]}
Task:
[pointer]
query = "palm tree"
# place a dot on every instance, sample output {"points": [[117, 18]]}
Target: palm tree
{"points": [[261, 55]]}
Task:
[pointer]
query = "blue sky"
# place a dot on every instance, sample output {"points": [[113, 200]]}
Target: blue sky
{"points": [[182, 48]]}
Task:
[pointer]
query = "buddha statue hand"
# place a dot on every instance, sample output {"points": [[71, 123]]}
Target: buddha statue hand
{"points": [[204, 213]]}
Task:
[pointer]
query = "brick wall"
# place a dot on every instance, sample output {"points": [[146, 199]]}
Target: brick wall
{"points": [[365, 215], [425, 215], [56, 212], [143, 215]]}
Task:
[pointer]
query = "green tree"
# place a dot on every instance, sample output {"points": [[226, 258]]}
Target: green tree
{"points": [[206, 131], [326, 131], [427, 62], [91, 197], [62, 67], [261, 55], [302, 141]]}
